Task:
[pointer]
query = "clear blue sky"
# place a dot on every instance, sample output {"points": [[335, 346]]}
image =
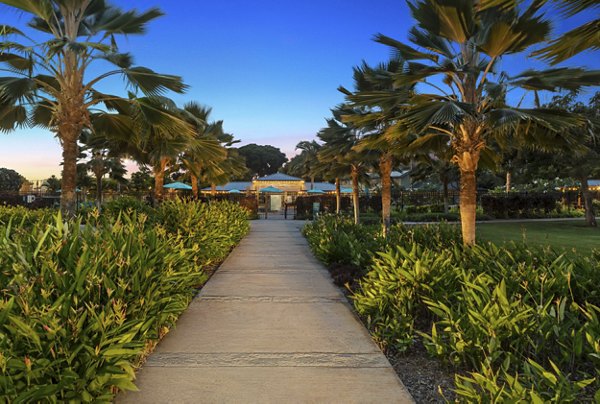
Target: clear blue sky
{"points": [[269, 69]]}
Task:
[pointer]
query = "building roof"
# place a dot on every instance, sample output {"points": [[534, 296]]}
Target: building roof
{"points": [[393, 174], [239, 185], [326, 187], [594, 183], [279, 177], [321, 186]]}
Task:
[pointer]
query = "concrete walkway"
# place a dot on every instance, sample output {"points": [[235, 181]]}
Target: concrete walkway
{"points": [[269, 327]]}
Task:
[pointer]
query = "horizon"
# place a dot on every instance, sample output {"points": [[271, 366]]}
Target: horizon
{"points": [[269, 71]]}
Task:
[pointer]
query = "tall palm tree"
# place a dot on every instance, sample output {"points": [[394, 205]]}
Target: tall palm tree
{"points": [[206, 149], [50, 83], [339, 155], [304, 164], [151, 130], [375, 122], [456, 48]]}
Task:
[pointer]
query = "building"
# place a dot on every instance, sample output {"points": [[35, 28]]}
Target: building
{"points": [[276, 189]]}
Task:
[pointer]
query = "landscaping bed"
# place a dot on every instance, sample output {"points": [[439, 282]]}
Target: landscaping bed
{"points": [[83, 301], [514, 323]]}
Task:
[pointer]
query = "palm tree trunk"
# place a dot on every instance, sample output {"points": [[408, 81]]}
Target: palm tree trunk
{"points": [[312, 182], [385, 169], [213, 189], [590, 215], [99, 191], [194, 185], [338, 196], [508, 181], [68, 197], [159, 180], [445, 191], [468, 205], [355, 190]]}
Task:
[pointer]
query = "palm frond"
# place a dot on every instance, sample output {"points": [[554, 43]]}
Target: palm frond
{"points": [[13, 117], [16, 62], [451, 19], [404, 51], [42, 114], [585, 37], [432, 43], [556, 79], [115, 21], [122, 60], [40, 8], [14, 89], [152, 83], [572, 7], [425, 114]]}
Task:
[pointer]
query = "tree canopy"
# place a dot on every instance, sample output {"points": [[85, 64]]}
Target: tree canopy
{"points": [[10, 180], [262, 160]]}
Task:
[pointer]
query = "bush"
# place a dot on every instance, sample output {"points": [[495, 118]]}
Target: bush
{"points": [[81, 304], [519, 205], [524, 322]]}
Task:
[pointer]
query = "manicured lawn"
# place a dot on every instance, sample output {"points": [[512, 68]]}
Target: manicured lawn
{"points": [[568, 234]]}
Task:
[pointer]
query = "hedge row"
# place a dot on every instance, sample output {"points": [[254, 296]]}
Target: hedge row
{"points": [[80, 304]]}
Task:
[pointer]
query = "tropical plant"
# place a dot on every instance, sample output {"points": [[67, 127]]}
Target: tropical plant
{"points": [[338, 158], [461, 44], [375, 121], [50, 82], [103, 159], [205, 150], [81, 303], [304, 164]]}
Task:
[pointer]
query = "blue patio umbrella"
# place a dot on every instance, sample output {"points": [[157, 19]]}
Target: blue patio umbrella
{"points": [[315, 191], [177, 185], [271, 190], [235, 191], [346, 190]]}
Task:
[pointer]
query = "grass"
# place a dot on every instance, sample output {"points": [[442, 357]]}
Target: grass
{"points": [[567, 234]]}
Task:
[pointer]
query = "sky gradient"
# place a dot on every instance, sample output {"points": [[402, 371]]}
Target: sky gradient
{"points": [[269, 69]]}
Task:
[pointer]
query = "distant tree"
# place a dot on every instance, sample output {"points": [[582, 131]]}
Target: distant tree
{"points": [[141, 180], [582, 162], [10, 180], [53, 183], [262, 160]]}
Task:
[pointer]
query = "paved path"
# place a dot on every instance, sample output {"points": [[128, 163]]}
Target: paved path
{"points": [[269, 327]]}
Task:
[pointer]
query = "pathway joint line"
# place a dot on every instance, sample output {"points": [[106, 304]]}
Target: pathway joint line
{"points": [[247, 359]]}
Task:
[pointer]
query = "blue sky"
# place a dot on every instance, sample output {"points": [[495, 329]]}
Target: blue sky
{"points": [[269, 69]]}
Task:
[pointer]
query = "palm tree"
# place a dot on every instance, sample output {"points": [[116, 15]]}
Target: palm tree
{"points": [[50, 84], [206, 148], [105, 158], [375, 122], [461, 42], [303, 165], [339, 155]]}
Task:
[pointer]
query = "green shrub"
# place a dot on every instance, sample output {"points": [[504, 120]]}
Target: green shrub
{"points": [[523, 321], [127, 204], [23, 216], [80, 304]]}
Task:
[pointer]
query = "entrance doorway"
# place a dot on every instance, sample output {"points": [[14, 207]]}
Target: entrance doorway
{"points": [[276, 203]]}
